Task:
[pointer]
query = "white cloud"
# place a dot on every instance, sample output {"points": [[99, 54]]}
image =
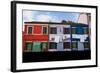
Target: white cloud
{"points": [[46, 18], [43, 17], [37, 16], [28, 15]]}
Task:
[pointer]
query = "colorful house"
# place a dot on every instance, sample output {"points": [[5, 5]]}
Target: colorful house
{"points": [[35, 37], [53, 36], [59, 37], [80, 37]]}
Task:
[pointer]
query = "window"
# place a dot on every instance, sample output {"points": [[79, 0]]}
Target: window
{"points": [[52, 45], [73, 30], [74, 45], [44, 46], [52, 39], [86, 30], [29, 30], [86, 45], [28, 46], [66, 45], [36, 47], [79, 30], [66, 30], [44, 30], [53, 30]]}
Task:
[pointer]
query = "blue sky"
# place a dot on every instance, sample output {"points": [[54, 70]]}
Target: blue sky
{"points": [[46, 16]]}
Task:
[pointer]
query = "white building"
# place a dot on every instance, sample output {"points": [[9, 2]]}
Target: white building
{"points": [[84, 18]]}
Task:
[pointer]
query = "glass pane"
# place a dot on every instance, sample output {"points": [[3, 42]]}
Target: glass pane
{"points": [[28, 46], [29, 30], [53, 30], [66, 30], [44, 30], [79, 30], [74, 45], [53, 45], [73, 30], [86, 30], [66, 45], [86, 45], [45, 46]]}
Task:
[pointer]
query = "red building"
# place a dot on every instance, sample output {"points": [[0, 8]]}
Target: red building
{"points": [[35, 37]]}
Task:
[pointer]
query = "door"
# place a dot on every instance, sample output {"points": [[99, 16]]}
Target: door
{"points": [[60, 46], [36, 47], [80, 46]]}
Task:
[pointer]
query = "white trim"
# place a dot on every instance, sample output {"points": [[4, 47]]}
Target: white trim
{"points": [[66, 49], [52, 50], [28, 41]]}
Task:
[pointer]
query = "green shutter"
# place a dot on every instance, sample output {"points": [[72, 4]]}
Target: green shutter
{"points": [[36, 47], [44, 30], [29, 30]]}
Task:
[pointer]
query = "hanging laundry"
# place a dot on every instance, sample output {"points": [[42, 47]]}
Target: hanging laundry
{"points": [[61, 38], [57, 39]]}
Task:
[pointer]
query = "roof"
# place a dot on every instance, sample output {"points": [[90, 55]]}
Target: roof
{"points": [[54, 23]]}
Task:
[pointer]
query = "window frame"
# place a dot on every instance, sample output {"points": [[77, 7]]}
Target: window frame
{"points": [[46, 28], [28, 30], [67, 47], [51, 30], [76, 45], [86, 30], [52, 43], [25, 49], [69, 30], [86, 45], [74, 31]]}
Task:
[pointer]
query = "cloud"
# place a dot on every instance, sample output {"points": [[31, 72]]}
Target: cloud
{"points": [[43, 17], [28, 15], [46, 18]]}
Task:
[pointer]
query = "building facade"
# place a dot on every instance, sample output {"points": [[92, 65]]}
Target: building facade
{"points": [[59, 37], [50, 36], [35, 37]]}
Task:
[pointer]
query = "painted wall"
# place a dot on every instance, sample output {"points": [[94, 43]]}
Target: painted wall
{"points": [[83, 19], [36, 34], [37, 29]]}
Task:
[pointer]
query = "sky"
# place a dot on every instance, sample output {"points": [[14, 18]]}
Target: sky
{"points": [[49, 16]]}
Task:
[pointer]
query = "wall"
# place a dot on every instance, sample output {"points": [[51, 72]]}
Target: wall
{"points": [[5, 36]]}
